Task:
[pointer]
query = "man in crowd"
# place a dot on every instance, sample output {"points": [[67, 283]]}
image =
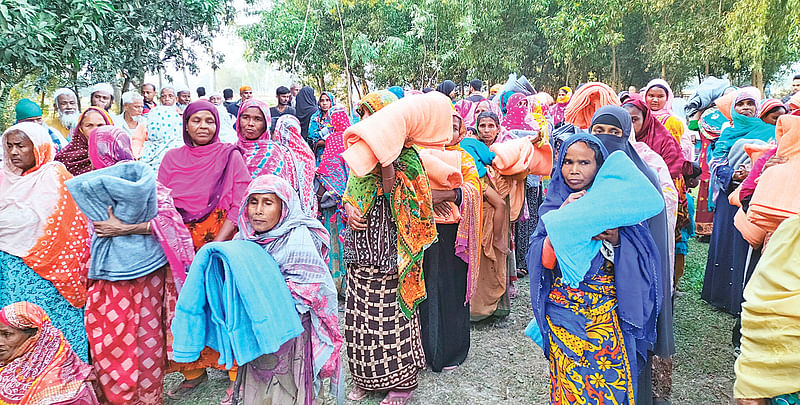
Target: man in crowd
{"points": [[245, 93], [168, 96], [201, 92], [294, 88], [795, 88], [149, 95], [65, 111], [284, 96], [227, 94], [27, 110], [131, 117], [102, 96], [184, 98], [216, 99], [475, 91]]}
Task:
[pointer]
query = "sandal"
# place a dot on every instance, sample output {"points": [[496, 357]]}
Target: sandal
{"points": [[357, 394], [186, 387], [397, 398]]}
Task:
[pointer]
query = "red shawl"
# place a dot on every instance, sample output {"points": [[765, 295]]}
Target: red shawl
{"points": [[658, 138], [75, 156]]}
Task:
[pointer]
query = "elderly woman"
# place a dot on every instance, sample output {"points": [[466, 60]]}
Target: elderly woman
{"points": [[208, 207], [75, 156], [43, 234], [127, 314], [37, 364], [271, 216]]}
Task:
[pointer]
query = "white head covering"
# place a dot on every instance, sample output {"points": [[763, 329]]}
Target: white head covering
{"points": [[62, 91], [104, 87]]}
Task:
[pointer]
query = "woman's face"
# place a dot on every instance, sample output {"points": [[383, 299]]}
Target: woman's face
{"points": [[562, 93], [656, 98], [746, 107], [252, 123], [91, 120], [772, 117], [201, 127], [480, 108], [579, 166], [456, 131], [264, 211], [487, 130], [599, 129], [11, 339], [637, 118], [324, 102], [452, 94], [19, 150]]}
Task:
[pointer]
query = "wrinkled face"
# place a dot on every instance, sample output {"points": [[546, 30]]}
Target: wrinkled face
{"points": [[19, 150], [202, 127], [637, 118], [295, 89], [656, 98], [91, 120], [216, 100], [579, 166], [134, 109], [264, 211], [598, 129], [184, 97], [772, 117], [284, 99], [252, 123], [324, 102], [11, 339], [487, 130], [168, 97], [746, 107], [101, 99], [148, 92], [246, 94], [66, 104], [795, 85]]}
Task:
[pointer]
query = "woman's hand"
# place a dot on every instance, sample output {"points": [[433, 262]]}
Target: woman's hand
{"points": [[112, 226], [610, 235], [574, 197], [774, 160], [443, 195], [355, 220], [442, 209], [740, 174]]}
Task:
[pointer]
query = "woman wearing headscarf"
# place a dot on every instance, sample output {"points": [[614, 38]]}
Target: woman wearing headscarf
{"points": [[271, 216], [260, 153], [209, 208], [728, 251], [37, 365], [320, 126], [451, 265], [306, 106], [612, 310], [287, 134], [43, 234], [164, 124], [332, 176], [140, 255], [770, 110], [615, 136], [448, 88], [564, 94], [710, 127], [658, 97], [75, 156]]}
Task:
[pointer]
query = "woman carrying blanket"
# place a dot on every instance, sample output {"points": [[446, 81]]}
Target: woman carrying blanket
{"points": [[452, 264], [43, 234], [209, 207], [137, 266], [598, 331], [272, 217]]}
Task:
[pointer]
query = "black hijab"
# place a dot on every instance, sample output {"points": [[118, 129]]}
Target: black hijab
{"points": [[306, 106], [446, 87]]}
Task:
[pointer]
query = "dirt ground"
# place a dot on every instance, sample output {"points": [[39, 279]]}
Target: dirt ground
{"points": [[505, 367]]}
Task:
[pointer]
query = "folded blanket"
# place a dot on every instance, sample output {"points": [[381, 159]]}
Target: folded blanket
{"points": [[620, 196], [481, 153], [586, 101], [130, 189], [425, 120], [444, 172], [518, 155], [777, 195], [236, 302], [751, 233], [738, 154], [705, 94]]}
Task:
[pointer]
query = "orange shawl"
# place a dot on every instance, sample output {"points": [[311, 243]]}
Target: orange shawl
{"points": [[586, 101]]}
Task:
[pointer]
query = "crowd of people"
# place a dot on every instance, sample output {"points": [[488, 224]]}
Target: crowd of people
{"points": [[194, 232]]}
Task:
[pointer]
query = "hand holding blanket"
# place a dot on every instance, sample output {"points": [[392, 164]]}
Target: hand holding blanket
{"points": [[518, 155]]}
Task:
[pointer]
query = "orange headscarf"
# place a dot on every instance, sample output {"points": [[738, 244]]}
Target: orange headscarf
{"points": [[586, 101]]}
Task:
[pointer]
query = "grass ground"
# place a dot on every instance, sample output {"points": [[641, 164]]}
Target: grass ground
{"points": [[505, 367]]}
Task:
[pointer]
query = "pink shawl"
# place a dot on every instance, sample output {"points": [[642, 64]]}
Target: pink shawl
{"points": [[517, 116], [466, 110], [332, 170], [219, 166], [262, 155], [287, 134]]}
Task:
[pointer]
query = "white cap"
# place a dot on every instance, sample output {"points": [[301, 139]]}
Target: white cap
{"points": [[62, 91], [104, 87]]}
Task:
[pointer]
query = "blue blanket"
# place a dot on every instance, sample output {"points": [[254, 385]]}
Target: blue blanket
{"points": [[620, 196], [236, 302], [480, 153], [130, 189]]}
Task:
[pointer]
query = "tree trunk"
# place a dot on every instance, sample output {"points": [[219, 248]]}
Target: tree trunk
{"points": [[614, 81], [663, 71], [757, 78], [5, 90]]}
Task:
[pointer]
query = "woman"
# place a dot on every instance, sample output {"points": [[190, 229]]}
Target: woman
{"points": [[728, 251], [208, 208], [75, 156], [320, 126], [140, 295], [564, 94], [272, 217], [614, 134], [448, 88], [451, 264], [658, 97], [287, 134], [588, 332], [37, 364], [381, 329], [332, 175], [770, 110], [43, 235], [261, 154], [373, 102], [164, 125], [306, 107]]}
